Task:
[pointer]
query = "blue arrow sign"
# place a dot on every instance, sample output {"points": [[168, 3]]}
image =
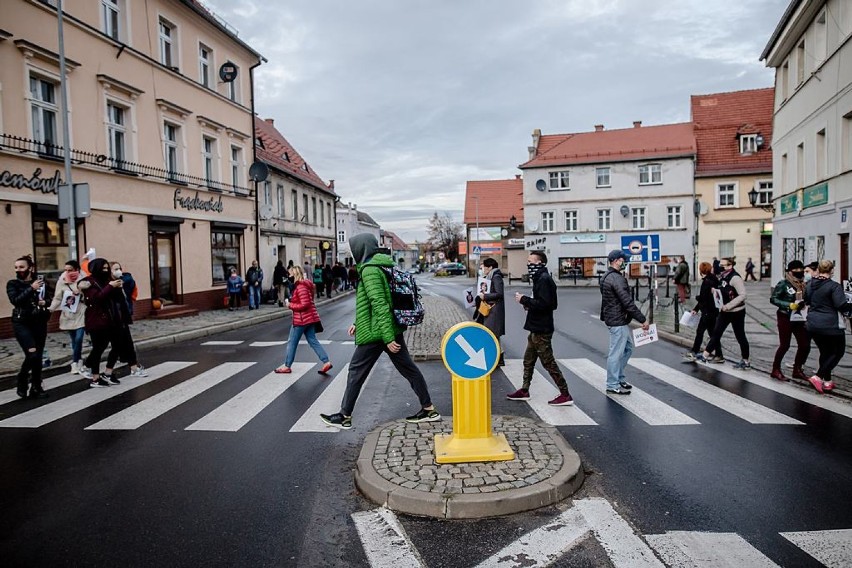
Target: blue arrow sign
{"points": [[642, 248], [470, 350]]}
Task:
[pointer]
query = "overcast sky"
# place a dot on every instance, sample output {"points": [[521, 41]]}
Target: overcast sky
{"points": [[402, 101]]}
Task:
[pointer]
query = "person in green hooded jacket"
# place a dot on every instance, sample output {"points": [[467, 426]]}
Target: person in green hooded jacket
{"points": [[376, 332]]}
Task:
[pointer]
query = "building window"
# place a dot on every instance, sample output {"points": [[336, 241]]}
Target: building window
{"points": [[821, 165], [571, 221], [328, 211], [234, 88], [559, 180], [602, 177], [800, 165], [305, 209], [784, 81], [208, 154], [236, 165], [726, 195], [225, 254], [637, 216], [748, 143], [267, 193], [170, 149], [341, 236], [168, 49], [847, 137], [764, 192], [314, 210], [547, 222], [820, 40], [110, 12], [604, 219], [280, 194], [205, 63], [785, 185], [44, 109], [650, 173], [800, 63], [117, 134], [294, 195], [51, 246], [675, 217], [322, 213], [727, 249]]}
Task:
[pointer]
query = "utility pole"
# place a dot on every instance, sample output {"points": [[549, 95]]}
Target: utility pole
{"points": [[66, 138]]}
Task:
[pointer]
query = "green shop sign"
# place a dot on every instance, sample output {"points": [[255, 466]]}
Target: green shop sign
{"points": [[815, 195], [790, 203]]}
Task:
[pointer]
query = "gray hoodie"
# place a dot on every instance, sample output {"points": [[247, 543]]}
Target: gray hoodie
{"points": [[363, 247], [824, 298]]}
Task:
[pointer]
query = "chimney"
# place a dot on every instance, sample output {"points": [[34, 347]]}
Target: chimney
{"points": [[637, 124], [517, 176], [271, 121], [599, 127], [536, 137], [331, 184]]}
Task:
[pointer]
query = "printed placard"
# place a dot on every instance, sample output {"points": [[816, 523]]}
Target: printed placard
{"points": [[70, 302], [689, 319], [483, 286], [642, 337], [469, 297], [717, 298]]}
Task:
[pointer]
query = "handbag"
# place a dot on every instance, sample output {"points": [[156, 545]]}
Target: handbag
{"points": [[318, 328], [484, 309]]}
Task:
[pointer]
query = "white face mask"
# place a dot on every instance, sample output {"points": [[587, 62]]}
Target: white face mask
{"points": [[117, 273], [808, 276]]}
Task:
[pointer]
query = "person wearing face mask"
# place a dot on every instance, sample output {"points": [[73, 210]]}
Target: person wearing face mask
{"points": [[128, 284], [539, 322], [122, 346], [788, 297], [496, 318], [826, 303], [27, 293], [811, 270], [733, 292], [617, 311], [72, 312]]}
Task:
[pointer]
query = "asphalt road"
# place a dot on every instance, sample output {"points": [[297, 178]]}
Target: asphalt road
{"points": [[159, 494]]}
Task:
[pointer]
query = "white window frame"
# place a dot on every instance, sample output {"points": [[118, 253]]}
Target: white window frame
{"points": [[322, 213], [205, 66], [171, 148], [236, 167], [605, 170], [572, 220], [267, 193], [649, 171], [548, 221], [560, 180], [168, 43], [748, 143], [210, 159], [279, 193], [294, 197], [732, 192], [727, 248], [639, 217], [604, 217], [234, 87], [44, 108], [674, 216], [764, 192], [111, 16], [118, 130], [341, 236]]}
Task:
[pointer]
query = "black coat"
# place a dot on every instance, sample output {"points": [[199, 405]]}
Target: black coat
{"points": [[617, 305], [541, 305], [496, 319], [24, 299], [704, 303], [279, 275]]}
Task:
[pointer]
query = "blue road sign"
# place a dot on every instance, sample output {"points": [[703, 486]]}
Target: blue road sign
{"points": [[470, 350], [641, 248]]}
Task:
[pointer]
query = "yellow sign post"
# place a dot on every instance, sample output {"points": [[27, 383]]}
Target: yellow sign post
{"points": [[470, 352]]}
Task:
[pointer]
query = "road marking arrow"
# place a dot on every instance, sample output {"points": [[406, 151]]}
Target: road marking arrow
{"points": [[475, 359]]}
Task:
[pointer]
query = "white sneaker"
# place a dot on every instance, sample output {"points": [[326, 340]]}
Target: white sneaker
{"points": [[139, 371], [85, 372], [75, 368]]}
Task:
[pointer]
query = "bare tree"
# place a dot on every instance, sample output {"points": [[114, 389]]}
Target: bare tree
{"points": [[445, 234]]}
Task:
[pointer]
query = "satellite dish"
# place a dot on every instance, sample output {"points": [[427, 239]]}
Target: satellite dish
{"points": [[265, 212], [258, 171], [532, 226], [625, 210], [541, 185]]}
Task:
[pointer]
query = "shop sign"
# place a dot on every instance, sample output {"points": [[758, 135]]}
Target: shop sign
{"points": [[515, 243], [35, 182], [536, 244], [815, 195], [789, 204], [486, 234], [196, 203], [582, 238]]}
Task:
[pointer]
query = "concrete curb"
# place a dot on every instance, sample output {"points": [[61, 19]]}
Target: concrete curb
{"points": [[559, 486]]}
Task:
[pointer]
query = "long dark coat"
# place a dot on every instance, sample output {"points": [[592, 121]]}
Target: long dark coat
{"points": [[496, 320]]}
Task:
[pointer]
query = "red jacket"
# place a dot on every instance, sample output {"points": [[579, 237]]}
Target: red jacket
{"points": [[302, 304]]}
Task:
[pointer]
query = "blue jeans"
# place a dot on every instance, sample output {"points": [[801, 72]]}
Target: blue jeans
{"points": [[77, 336], [293, 342], [620, 350], [254, 296]]}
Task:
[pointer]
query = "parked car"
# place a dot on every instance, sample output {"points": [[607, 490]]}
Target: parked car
{"points": [[456, 268]]}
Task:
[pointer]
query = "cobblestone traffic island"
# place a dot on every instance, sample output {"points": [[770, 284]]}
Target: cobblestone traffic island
{"points": [[397, 469]]}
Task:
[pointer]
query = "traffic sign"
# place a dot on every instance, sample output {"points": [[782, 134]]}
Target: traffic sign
{"points": [[641, 248], [470, 350]]}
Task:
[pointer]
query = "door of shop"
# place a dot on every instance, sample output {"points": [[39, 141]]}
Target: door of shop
{"points": [[161, 250]]}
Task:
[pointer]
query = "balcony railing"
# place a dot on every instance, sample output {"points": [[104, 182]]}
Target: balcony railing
{"points": [[49, 151]]}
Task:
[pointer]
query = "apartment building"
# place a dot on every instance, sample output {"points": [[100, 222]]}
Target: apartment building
{"points": [[811, 53], [160, 128], [296, 207], [583, 192], [494, 217], [733, 137], [350, 222]]}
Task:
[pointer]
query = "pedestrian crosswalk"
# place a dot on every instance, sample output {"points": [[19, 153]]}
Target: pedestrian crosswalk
{"points": [[263, 343], [266, 387]]}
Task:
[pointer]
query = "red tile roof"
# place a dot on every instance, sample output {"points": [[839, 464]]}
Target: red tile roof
{"points": [[719, 119], [498, 201], [272, 152], [395, 242], [625, 144]]}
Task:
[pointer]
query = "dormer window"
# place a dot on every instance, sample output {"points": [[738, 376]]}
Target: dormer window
{"points": [[305, 167], [286, 156], [748, 143]]}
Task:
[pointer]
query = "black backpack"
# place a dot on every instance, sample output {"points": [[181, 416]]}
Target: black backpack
{"points": [[724, 286], [405, 297]]}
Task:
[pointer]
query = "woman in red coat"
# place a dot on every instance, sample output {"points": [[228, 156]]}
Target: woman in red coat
{"points": [[305, 318]]}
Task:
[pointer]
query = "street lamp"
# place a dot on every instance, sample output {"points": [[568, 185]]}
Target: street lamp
{"points": [[513, 223], [752, 199]]}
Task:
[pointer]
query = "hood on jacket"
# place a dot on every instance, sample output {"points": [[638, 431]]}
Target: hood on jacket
{"points": [[309, 283], [817, 283], [363, 247], [96, 270]]}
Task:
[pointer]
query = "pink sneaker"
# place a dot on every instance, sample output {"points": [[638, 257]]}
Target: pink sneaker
{"points": [[828, 385], [817, 383], [520, 394], [561, 400], [326, 368]]}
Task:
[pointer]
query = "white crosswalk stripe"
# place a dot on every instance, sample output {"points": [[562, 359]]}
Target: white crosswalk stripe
{"points": [[542, 389], [720, 398], [384, 540], [48, 413], [49, 383], [689, 549], [833, 547], [141, 413], [328, 403], [238, 411], [267, 343], [652, 411], [218, 343]]}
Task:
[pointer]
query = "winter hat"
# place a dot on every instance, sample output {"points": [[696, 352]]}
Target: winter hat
{"points": [[795, 265]]}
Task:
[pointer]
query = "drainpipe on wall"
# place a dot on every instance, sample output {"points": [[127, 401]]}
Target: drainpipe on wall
{"points": [[253, 160]]}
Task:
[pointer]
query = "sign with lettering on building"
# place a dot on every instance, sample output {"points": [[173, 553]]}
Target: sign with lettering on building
{"points": [[539, 243], [582, 238], [815, 195], [34, 183], [196, 203], [789, 203]]}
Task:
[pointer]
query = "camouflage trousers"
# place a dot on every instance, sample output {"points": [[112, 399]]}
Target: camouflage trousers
{"points": [[539, 347]]}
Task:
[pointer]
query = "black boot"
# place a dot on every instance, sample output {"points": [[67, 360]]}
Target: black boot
{"points": [[36, 391]]}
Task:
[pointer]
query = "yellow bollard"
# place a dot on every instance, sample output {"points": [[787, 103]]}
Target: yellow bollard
{"points": [[470, 352]]}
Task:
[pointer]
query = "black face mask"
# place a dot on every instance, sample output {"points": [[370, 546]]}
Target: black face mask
{"points": [[534, 269], [798, 275], [23, 275]]}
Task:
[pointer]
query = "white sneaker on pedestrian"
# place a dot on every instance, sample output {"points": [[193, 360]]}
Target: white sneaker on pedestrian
{"points": [[85, 372], [75, 368], [139, 371]]}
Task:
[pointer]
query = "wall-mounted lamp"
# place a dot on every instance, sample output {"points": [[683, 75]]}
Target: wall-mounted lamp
{"points": [[193, 224], [752, 199], [121, 218], [758, 140], [8, 209], [513, 222]]}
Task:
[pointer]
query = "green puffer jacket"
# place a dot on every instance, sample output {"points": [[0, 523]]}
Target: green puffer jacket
{"points": [[374, 320]]}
